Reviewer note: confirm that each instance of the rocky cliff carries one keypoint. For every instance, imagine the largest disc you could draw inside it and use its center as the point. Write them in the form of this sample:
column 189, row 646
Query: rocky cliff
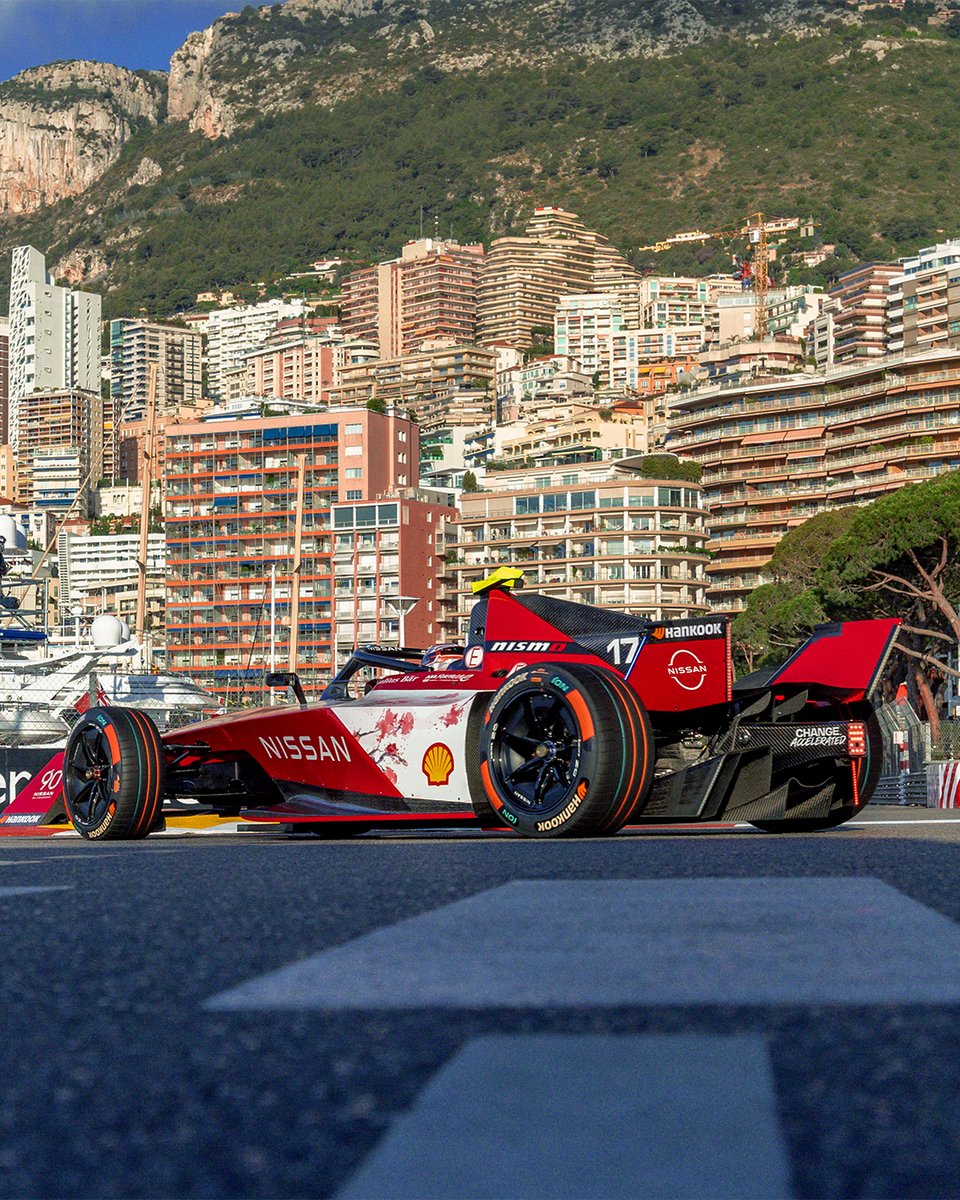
column 63, row 125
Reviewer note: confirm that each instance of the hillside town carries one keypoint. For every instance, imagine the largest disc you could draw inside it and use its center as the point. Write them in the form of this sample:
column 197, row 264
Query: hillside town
column 339, row 469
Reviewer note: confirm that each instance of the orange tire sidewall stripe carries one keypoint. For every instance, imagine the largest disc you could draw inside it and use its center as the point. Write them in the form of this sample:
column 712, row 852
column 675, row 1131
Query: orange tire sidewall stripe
column 488, row 787
column 111, row 735
column 579, row 706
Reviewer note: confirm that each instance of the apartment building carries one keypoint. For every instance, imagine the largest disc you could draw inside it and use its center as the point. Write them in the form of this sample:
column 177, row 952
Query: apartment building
column 388, row 559
column 601, row 534
column 4, row 377
column 59, row 454
column 592, row 330
column 233, row 333
column 301, row 367
column 54, row 343
column 177, row 353
column 232, row 519
column 923, row 311
column 860, row 318
column 99, row 574
column 523, row 277
column 791, row 312
column 429, row 292
column 582, row 328
column 777, row 452
column 568, row 431
column 414, row 380
column 747, row 360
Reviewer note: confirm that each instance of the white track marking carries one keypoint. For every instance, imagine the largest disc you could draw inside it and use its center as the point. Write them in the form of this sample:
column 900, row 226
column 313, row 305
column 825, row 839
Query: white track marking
column 544, row 943
column 553, row 1116
column 29, row 891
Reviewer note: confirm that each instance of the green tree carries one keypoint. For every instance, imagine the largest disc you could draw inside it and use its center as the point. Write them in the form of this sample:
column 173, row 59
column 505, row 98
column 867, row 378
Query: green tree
column 897, row 557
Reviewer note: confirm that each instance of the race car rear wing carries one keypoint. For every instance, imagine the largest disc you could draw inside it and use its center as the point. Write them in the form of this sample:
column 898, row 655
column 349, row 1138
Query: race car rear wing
column 844, row 656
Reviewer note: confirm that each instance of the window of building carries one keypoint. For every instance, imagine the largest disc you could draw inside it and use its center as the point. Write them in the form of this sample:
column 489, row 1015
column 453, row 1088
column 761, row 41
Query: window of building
column 526, row 505
column 355, row 495
column 354, row 472
column 583, row 499
column 353, row 451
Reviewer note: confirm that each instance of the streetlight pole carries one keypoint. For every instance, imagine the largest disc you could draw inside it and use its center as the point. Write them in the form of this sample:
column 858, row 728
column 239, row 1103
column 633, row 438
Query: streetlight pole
column 401, row 605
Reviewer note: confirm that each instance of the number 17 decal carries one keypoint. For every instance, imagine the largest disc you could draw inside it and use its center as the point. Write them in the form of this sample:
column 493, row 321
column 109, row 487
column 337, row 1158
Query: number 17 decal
column 623, row 650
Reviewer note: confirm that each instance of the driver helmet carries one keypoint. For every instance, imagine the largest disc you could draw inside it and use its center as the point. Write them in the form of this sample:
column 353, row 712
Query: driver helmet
column 443, row 656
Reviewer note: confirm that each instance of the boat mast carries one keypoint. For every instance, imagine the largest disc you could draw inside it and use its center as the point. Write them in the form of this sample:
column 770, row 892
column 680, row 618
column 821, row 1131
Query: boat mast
column 297, row 559
column 146, row 484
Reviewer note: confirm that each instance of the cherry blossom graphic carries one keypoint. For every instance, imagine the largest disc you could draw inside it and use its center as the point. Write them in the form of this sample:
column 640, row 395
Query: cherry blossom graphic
column 453, row 715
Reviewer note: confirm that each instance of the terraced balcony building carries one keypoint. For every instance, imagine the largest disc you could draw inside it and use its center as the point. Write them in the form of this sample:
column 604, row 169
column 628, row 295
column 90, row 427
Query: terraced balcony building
column 778, row 452
column 596, row 534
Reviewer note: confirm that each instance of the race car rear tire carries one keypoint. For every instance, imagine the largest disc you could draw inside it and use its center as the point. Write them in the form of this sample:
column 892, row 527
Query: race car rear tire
column 868, row 774
column 113, row 774
column 565, row 751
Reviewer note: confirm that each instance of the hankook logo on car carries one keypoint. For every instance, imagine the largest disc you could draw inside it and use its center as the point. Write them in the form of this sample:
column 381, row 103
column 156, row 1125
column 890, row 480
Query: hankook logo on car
column 687, row 670
column 307, row 747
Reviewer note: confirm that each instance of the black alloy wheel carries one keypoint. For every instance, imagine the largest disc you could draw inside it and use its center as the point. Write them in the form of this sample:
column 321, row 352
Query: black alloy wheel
column 537, row 756
column 564, row 751
column 113, row 774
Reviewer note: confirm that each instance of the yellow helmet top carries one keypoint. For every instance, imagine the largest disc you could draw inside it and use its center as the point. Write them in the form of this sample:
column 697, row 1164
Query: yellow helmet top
column 503, row 577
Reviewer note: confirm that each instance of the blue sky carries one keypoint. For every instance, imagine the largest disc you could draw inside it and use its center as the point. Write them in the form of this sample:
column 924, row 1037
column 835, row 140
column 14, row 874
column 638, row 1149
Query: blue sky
column 130, row 33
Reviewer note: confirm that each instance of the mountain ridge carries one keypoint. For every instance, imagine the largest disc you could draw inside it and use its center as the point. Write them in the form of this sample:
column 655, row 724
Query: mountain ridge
column 277, row 121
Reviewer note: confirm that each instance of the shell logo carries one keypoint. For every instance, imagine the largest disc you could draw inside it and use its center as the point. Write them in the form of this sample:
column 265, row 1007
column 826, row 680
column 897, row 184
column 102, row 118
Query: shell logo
column 437, row 764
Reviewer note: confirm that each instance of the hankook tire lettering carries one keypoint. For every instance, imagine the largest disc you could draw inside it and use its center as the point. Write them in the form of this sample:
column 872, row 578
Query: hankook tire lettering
column 554, row 822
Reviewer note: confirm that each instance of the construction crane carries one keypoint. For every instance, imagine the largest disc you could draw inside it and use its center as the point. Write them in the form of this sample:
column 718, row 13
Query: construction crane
column 758, row 230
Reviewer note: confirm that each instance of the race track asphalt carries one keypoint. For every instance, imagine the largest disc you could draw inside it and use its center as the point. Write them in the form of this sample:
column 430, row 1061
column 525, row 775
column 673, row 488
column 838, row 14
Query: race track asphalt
column 682, row 1014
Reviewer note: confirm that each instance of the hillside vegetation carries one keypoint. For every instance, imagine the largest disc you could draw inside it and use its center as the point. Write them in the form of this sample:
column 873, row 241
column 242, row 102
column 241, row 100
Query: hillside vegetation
column 856, row 125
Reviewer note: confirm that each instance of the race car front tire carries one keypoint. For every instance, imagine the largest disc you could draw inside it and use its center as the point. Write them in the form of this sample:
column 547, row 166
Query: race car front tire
column 113, row 774
column 565, row 751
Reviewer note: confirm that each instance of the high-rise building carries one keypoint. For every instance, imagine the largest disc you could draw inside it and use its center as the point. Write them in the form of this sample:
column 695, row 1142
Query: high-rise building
column 592, row 330
column 416, row 380
column 523, row 277
column 429, row 292
column 4, row 377
column 59, row 454
column 177, row 353
column 54, row 336
column 232, row 520
column 860, row 320
column 775, row 453
column 923, row 311
column 93, row 568
column 300, row 367
column 233, row 333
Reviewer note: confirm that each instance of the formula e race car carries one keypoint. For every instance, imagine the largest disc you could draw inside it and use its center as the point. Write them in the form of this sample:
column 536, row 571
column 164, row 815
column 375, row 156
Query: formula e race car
column 554, row 719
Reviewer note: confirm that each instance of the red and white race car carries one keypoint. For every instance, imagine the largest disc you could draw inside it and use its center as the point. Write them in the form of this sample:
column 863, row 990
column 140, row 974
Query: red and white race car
column 554, row 719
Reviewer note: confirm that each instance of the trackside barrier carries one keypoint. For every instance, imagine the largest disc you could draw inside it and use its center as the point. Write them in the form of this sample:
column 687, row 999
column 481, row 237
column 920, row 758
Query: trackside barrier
column 943, row 785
